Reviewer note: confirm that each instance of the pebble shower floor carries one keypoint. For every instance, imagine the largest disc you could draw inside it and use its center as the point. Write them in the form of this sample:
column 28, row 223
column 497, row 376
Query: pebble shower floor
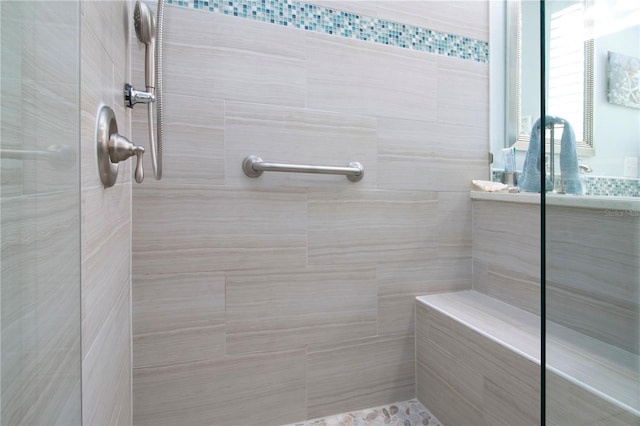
column 406, row 413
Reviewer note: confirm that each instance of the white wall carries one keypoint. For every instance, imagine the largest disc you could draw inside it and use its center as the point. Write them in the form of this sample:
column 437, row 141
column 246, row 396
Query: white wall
column 616, row 127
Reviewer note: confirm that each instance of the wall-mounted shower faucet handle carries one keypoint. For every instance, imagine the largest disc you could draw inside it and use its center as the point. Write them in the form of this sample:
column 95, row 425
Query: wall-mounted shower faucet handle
column 139, row 174
column 133, row 96
column 121, row 148
column 112, row 148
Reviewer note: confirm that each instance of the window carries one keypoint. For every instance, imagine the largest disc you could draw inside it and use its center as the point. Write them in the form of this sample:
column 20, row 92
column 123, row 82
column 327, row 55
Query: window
column 566, row 67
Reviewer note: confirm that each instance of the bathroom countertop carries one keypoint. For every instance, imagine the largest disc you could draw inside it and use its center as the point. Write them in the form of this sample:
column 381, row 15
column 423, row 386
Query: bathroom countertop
column 629, row 205
column 519, row 197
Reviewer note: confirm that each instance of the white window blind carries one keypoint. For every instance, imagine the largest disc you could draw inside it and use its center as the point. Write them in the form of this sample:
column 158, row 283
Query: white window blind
column 567, row 67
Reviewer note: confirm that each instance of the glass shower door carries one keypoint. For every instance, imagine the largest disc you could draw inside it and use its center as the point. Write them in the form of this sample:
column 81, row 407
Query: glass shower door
column 592, row 257
column 40, row 355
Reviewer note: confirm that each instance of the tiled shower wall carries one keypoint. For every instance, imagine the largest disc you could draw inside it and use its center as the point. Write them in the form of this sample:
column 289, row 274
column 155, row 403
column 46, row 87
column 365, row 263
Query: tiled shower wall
column 66, row 240
column 106, row 219
column 591, row 265
column 272, row 300
column 39, row 214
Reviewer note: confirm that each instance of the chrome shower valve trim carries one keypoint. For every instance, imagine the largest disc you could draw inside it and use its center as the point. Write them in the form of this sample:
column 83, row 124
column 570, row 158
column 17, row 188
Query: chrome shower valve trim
column 112, row 148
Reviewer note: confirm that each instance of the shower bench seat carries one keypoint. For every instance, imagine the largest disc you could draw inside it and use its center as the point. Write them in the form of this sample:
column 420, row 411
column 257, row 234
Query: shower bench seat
column 478, row 362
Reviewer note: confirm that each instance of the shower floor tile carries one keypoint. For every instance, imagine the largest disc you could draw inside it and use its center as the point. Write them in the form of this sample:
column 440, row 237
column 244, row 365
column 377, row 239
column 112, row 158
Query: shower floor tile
column 406, row 413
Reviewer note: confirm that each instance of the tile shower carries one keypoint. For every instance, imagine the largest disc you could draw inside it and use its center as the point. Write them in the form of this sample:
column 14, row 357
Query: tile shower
column 213, row 298
column 296, row 292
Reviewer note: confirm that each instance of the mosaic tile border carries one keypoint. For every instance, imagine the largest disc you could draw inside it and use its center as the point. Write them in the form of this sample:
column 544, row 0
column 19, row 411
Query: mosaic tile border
column 309, row 17
column 608, row 186
column 612, row 186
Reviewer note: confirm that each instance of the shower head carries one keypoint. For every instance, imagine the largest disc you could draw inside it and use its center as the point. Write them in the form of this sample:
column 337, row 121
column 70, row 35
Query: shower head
column 145, row 24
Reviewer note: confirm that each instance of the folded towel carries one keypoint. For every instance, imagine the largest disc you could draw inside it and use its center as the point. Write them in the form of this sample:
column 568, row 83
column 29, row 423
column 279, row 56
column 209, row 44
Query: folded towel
column 570, row 173
column 529, row 180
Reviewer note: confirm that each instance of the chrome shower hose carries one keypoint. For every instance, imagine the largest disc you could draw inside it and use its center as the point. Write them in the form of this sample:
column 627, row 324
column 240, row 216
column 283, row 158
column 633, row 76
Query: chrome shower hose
column 157, row 158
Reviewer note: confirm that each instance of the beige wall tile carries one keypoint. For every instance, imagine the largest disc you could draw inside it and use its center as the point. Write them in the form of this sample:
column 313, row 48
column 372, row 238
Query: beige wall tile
column 69, row 412
column 480, row 276
column 11, row 120
column 40, row 215
column 105, row 273
column 14, row 37
column 445, row 376
column 368, row 226
column 110, row 22
column 40, row 309
column 610, row 320
column 219, row 391
column 51, row 42
column 567, row 403
column 103, row 212
column 598, row 367
column 178, row 317
column 193, row 140
column 468, row 378
column 105, row 62
column 451, row 225
column 336, row 260
column 516, row 288
column 50, row 121
column 506, row 252
column 400, row 283
column 339, row 374
column 106, row 219
column 518, row 329
column 298, row 136
column 512, row 398
column 463, row 94
column 106, row 369
column 593, row 276
column 106, row 252
column 446, row 267
column 432, row 156
column 96, row 78
column 357, row 77
column 283, row 308
column 209, row 229
column 227, row 58
column 439, row 402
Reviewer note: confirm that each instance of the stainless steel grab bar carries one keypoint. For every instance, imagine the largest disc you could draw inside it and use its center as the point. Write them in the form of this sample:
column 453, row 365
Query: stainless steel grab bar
column 253, row 166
